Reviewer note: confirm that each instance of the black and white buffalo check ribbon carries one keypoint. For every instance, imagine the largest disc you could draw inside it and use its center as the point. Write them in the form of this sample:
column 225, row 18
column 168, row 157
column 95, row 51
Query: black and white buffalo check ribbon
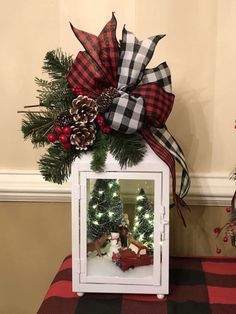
column 126, row 113
column 167, row 140
column 134, row 57
column 160, row 74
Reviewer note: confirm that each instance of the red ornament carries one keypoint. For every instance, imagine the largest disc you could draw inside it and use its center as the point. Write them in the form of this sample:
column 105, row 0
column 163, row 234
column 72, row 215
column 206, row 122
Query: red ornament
column 228, row 209
column 218, row 250
column 63, row 138
column 67, row 145
column 217, row 230
column 52, row 137
column 66, row 130
column 225, row 239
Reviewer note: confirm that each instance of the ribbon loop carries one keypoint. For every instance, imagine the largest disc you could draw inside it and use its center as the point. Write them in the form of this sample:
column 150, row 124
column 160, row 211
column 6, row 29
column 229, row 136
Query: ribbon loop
column 100, row 59
column 134, row 57
column 158, row 103
column 160, row 75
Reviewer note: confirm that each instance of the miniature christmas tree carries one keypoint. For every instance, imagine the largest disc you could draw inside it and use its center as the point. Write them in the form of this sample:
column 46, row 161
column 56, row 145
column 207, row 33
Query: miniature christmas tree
column 105, row 209
column 144, row 220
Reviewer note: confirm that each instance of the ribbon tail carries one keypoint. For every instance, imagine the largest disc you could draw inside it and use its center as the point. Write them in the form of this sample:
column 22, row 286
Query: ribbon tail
column 166, row 156
column 179, row 203
column 167, row 140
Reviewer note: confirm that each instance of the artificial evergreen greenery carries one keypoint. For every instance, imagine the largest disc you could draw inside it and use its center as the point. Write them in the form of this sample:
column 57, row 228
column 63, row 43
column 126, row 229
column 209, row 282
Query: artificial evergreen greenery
column 55, row 165
column 144, row 220
column 105, row 208
column 56, row 93
column 57, row 64
column 55, row 97
column 99, row 152
column 128, row 149
column 36, row 126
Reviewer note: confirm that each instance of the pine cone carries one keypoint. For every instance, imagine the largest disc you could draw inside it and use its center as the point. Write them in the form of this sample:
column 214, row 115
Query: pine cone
column 83, row 136
column 84, row 110
column 105, row 99
column 64, row 119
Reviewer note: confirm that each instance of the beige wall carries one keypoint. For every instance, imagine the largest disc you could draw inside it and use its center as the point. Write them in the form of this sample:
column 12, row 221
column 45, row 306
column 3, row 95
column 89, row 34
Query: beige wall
column 198, row 47
column 34, row 240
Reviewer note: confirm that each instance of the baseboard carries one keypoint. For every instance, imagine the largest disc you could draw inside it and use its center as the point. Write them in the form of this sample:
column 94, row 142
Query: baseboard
column 29, row 186
column 210, row 189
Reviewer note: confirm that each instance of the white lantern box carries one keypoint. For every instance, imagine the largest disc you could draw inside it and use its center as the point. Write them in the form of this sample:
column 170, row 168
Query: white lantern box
column 120, row 227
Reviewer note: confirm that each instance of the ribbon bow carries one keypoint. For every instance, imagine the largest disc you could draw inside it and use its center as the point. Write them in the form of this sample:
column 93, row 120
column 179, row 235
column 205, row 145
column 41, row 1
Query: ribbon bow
column 143, row 101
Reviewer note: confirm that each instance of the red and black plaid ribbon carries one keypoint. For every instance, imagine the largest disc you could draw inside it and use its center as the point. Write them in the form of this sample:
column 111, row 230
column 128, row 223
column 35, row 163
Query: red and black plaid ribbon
column 96, row 68
column 158, row 103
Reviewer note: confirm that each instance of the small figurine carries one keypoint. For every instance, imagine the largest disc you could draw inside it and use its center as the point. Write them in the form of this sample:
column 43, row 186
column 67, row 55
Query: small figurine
column 123, row 233
column 125, row 220
column 114, row 243
column 97, row 244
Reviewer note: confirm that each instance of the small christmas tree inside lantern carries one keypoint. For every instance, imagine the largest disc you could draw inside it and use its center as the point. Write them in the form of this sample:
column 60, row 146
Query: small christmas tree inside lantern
column 105, row 209
column 144, row 220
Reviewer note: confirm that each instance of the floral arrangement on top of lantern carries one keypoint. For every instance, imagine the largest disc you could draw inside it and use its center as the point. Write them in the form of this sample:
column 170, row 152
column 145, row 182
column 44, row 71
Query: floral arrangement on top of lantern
column 106, row 100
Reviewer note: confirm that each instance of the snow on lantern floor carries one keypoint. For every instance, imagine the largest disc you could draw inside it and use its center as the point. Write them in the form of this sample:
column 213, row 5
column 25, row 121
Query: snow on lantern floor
column 103, row 266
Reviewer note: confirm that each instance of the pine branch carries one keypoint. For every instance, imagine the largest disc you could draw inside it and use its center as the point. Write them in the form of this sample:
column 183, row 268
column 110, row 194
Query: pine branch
column 54, row 95
column 99, row 152
column 36, row 126
column 57, row 64
column 128, row 149
column 55, row 165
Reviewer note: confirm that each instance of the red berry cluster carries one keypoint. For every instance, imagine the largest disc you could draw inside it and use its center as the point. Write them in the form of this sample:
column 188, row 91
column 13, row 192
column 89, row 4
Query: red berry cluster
column 217, row 231
column 62, row 135
column 77, row 90
column 100, row 120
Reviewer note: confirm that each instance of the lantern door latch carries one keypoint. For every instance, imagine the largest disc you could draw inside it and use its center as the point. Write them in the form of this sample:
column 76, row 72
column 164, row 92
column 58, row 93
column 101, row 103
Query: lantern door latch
column 163, row 221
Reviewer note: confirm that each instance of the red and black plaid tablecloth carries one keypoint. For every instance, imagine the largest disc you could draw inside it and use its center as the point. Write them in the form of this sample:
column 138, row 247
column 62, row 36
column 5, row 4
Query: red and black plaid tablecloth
column 197, row 286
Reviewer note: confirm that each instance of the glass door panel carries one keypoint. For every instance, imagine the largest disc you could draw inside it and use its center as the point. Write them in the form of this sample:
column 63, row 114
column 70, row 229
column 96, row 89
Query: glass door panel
column 119, row 220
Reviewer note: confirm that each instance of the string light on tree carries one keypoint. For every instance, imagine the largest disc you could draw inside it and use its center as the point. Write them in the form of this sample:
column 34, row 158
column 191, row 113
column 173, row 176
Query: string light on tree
column 144, row 220
column 104, row 209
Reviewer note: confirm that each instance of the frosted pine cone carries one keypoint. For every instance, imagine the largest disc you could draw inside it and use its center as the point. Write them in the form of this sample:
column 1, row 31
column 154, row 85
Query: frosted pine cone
column 105, row 99
column 84, row 110
column 83, row 136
